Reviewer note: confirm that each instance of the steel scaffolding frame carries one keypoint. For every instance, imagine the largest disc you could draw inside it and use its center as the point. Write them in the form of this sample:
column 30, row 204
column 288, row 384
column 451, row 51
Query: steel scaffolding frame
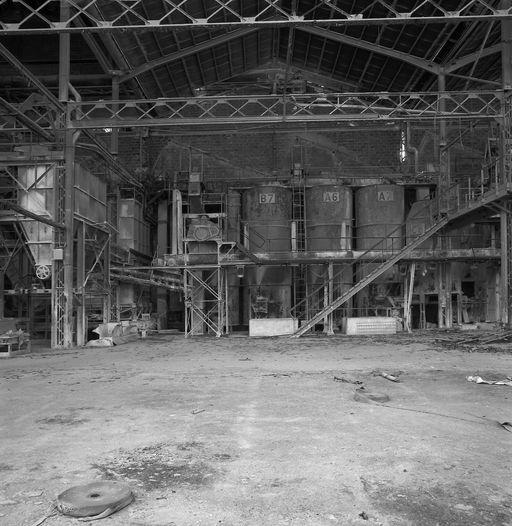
column 122, row 15
column 205, row 300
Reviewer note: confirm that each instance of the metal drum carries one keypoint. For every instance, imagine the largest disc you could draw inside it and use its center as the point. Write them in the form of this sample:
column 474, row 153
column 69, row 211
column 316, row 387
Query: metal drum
column 267, row 229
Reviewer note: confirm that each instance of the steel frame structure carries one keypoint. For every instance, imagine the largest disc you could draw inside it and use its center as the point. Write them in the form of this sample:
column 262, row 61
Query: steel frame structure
column 58, row 119
column 123, row 15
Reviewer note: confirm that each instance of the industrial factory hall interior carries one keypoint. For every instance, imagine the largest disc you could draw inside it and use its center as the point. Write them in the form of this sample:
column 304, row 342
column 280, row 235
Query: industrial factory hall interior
column 256, row 262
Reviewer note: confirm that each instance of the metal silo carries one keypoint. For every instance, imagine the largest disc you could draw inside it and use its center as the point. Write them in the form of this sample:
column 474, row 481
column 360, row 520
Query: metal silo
column 267, row 213
column 328, row 211
column 379, row 214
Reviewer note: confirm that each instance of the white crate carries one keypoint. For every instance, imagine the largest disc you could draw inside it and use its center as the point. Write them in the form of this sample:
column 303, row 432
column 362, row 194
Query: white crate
column 370, row 325
column 272, row 326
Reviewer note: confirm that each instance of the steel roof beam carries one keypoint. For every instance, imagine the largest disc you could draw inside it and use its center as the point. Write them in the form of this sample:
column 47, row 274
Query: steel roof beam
column 427, row 65
column 472, row 57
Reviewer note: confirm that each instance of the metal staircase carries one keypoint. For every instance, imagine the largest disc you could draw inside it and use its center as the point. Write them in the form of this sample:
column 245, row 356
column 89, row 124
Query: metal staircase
column 383, row 267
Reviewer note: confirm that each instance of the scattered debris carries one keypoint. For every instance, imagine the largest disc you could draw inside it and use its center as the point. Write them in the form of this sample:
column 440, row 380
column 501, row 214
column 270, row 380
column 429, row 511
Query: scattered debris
column 364, row 516
column 390, row 377
column 33, row 494
column 362, row 395
column 100, row 342
column 507, row 426
column 116, row 333
column 480, row 339
column 480, row 380
column 96, row 500
column 347, row 380
column 50, row 513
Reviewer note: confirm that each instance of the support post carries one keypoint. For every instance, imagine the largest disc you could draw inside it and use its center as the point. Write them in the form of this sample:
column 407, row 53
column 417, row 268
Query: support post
column 114, row 142
column 506, row 264
column 444, row 157
column 69, row 206
column 81, row 325
column 64, row 182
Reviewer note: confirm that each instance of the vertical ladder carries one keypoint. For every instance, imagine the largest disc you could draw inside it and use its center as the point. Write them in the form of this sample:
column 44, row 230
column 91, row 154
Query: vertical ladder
column 299, row 272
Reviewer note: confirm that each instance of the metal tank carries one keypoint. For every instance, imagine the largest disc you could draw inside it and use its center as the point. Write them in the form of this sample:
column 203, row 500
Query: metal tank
column 379, row 215
column 328, row 213
column 267, row 212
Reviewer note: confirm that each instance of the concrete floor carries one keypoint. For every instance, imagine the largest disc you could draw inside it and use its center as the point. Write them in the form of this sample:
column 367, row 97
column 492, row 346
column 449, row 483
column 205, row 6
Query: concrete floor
column 238, row 431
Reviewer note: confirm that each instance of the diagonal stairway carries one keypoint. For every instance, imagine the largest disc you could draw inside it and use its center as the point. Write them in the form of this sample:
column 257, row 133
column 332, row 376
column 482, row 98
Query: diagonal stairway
column 383, row 267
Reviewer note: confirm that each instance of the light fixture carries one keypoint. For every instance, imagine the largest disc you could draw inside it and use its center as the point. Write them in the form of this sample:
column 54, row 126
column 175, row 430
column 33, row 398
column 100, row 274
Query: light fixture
column 240, row 271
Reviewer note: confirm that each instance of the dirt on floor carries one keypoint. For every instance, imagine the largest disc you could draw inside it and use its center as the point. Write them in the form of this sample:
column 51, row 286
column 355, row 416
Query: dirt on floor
column 242, row 431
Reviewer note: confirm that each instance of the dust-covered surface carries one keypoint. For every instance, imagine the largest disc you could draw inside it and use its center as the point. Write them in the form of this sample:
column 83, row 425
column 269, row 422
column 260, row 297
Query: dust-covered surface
column 237, row 431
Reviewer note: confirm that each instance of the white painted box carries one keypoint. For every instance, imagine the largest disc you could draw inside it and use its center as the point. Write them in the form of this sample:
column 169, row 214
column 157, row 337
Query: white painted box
column 370, row 325
column 272, row 326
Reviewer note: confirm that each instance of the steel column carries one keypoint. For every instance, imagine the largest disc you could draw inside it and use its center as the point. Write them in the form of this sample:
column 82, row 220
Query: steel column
column 81, row 326
column 506, row 263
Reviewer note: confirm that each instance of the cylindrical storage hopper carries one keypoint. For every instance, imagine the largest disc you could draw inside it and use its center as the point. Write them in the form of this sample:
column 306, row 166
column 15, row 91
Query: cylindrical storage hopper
column 328, row 212
column 328, row 218
column 379, row 216
column 267, row 229
column 267, row 218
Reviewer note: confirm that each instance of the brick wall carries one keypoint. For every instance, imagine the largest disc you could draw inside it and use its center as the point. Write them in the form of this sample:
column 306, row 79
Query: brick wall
column 352, row 154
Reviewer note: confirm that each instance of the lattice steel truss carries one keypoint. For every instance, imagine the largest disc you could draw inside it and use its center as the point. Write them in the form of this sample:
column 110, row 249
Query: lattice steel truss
column 289, row 108
column 100, row 16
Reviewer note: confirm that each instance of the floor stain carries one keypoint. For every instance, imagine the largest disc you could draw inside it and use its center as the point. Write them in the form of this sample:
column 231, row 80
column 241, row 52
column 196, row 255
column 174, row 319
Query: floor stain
column 156, row 467
column 440, row 505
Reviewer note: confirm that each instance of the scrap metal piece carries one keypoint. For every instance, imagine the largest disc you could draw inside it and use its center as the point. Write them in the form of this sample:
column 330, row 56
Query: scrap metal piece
column 95, row 500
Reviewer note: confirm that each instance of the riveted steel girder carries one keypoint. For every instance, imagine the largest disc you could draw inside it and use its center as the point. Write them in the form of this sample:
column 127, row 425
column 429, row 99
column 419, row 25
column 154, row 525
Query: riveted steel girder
column 291, row 108
column 120, row 15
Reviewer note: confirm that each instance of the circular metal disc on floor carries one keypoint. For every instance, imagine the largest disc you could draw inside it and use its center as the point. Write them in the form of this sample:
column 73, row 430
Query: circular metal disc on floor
column 94, row 498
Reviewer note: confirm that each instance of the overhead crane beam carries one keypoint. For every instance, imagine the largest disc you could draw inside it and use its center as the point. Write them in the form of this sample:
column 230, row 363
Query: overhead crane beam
column 124, row 15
